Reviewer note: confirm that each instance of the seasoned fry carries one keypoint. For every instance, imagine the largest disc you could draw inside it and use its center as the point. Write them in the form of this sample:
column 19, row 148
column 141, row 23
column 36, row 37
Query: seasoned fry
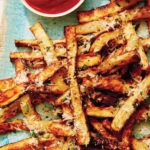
column 12, row 126
column 27, row 108
column 27, row 43
column 11, row 95
column 105, row 38
column 109, row 83
column 7, row 84
column 138, row 95
column 46, row 73
column 30, row 143
column 140, row 144
column 64, row 98
column 109, row 9
column 43, row 40
column 53, row 89
column 20, row 66
column 101, row 130
column 88, row 60
column 35, row 55
column 108, row 64
column 109, row 23
column 101, row 112
column 83, row 137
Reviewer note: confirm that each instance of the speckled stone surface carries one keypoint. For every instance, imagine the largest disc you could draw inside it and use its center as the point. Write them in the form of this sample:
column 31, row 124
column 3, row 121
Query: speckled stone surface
column 15, row 25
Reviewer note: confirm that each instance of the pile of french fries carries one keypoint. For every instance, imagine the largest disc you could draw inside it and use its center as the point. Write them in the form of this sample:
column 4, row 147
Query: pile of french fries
column 97, row 76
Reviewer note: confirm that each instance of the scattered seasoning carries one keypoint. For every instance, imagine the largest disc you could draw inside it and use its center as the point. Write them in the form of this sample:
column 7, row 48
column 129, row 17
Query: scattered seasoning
column 39, row 42
column 47, row 48
column 27, row 108
column 84, row 67
column 135, row 103
column 131, row 87
column 66, row 98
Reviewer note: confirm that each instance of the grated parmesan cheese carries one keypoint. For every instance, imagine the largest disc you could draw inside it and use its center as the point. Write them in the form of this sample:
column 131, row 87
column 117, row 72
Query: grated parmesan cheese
column 21, row 77
column 49, row 58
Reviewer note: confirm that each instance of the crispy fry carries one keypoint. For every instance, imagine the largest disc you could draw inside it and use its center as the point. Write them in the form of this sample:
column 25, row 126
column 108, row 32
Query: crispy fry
column 46, row 73
column 101, row 12
column 53, row 89
column 11, row 95
column 83, row 137
column 101, row 130
column 109, row 83
column 101, row 112
column 35, row 55
column 20, row 66
column 140, row 144
column 105, row 38
column 110, row 63
column 43, row 40
column 109, row 23
column 138, row 95
column 13, row 109
column 135, row 43
column 88, row 60
column 64, row 98
column 27, row 108
column 30, row 143
column 12, row 126
column 7, row 84
column 26, row 43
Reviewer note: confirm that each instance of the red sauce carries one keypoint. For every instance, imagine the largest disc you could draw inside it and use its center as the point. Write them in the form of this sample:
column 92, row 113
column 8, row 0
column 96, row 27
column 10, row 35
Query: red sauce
column 52, row 6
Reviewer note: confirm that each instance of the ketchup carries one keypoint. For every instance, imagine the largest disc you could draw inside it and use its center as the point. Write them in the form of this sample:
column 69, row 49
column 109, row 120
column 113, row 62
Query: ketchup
column 52, row 6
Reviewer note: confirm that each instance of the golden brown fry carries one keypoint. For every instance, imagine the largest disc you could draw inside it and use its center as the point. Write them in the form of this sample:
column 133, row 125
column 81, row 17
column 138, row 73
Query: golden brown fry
column 101, row 112
column 30, row 143
column 114, row 7
column 109, row 83
column 28, row 109
column 103, row 40
column 140, row 144
column 109, row 23
column 80, row 125
column 88, row 60
column 20, row 66
column 11, row 95
column 64, row 98
column 43, row 40
column 137, row 96
column 110, row 63
column 101, row 130
column 15, row 125
column 13, row 109
column 7, row 84
column 133, row 42
column 46, row 73
column 27, row 43
column 53, row 89
column 35, row 55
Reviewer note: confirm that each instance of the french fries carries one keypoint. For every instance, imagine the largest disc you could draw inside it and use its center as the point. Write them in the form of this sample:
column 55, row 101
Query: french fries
column 94, row 82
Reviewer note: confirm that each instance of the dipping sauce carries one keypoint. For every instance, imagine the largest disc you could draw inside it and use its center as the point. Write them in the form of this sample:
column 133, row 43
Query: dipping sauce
column 52, row 6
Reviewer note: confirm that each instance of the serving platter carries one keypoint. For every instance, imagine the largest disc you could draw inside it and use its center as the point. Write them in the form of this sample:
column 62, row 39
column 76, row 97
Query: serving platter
column 15, row 23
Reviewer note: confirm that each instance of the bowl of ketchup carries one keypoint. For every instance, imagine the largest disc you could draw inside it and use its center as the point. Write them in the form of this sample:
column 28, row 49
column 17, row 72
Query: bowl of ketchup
column 52, row 8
